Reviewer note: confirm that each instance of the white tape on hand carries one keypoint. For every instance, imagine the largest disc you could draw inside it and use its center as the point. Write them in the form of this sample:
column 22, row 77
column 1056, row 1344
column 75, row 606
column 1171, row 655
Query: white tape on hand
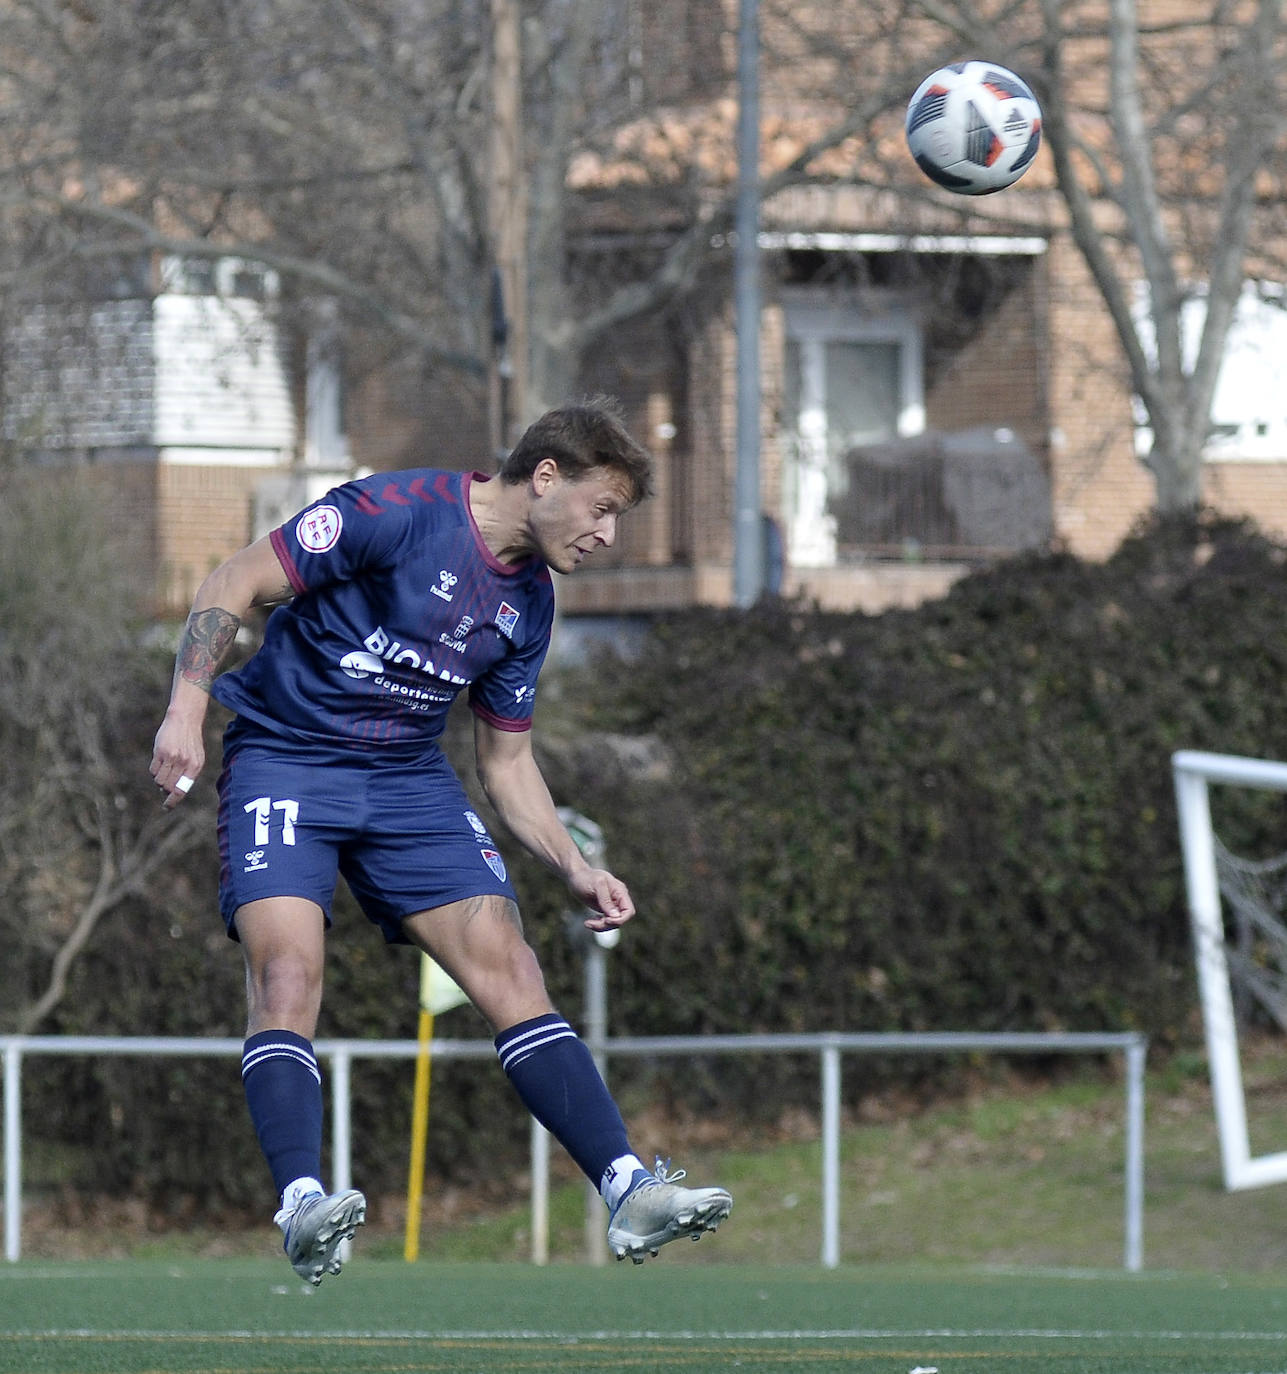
column 184, row 784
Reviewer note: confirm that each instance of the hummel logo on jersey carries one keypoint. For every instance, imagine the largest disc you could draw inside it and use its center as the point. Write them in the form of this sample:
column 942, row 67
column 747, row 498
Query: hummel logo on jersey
column 523, row 694
column 446, row 581
column 507, row 619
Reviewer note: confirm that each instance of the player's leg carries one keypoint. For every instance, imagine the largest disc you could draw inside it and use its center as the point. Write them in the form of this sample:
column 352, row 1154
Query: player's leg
column 280, row 824
column 479, row 941
column 283, row 942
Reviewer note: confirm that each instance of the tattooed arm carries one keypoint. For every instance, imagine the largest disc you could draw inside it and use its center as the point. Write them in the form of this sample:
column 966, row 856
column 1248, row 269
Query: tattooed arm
column 253, row 577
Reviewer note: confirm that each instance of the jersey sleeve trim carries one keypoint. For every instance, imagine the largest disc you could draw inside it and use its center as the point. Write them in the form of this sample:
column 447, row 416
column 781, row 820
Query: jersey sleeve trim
column 278, row 542
column 515, row 727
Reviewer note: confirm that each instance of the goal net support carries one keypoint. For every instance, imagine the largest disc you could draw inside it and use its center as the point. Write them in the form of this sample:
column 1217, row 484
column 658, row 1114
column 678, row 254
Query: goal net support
column 1241, row 957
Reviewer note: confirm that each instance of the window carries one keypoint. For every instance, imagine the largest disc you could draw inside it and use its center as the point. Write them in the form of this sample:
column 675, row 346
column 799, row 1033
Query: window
column 852, row 377
column 1249, row 409
column 230, row 277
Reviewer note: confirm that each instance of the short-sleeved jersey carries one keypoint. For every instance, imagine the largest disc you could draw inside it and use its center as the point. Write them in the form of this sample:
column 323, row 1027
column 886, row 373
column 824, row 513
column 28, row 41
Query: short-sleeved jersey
column 399, row 606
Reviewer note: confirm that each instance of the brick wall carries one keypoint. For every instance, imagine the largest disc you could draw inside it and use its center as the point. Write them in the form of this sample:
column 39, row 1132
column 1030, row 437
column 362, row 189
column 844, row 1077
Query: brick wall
column 999, row 378
column 204, row 514
column 1255, row 489
column 1100, row 488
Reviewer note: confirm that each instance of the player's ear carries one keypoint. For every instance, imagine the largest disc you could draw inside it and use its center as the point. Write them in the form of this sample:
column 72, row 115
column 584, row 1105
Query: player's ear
column 544, row 476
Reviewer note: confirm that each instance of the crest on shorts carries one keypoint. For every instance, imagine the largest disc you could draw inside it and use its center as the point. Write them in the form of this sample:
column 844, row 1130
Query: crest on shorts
column 494, row 862
column 318, row 530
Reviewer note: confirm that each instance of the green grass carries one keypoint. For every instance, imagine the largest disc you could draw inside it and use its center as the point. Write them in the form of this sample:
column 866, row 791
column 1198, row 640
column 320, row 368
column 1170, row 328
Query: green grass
column 1011, row 1175
column 383, row 1317
column 979, row 1237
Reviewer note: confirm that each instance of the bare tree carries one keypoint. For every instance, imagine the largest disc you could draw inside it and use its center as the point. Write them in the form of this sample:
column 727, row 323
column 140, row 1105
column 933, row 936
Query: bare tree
column 1166, row 124
column 77, row 843
column 1162, row 188
column 346, row 143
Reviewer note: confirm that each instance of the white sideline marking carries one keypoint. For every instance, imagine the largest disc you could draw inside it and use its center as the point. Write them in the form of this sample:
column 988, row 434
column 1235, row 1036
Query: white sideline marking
column 786, row 1334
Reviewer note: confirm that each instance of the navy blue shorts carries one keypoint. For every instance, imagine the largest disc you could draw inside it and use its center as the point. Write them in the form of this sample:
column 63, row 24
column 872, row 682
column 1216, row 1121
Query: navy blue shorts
column 404, row 837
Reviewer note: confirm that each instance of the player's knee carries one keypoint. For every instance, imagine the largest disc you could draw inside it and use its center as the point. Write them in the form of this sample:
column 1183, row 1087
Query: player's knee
column 283, row 990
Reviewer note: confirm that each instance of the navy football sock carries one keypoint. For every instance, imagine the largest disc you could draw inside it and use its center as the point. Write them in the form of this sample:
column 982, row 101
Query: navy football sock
column 284, row 1093
column 556, row 1076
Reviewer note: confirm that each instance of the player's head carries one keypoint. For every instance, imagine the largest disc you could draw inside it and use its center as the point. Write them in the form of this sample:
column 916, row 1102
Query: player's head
column 582, row 439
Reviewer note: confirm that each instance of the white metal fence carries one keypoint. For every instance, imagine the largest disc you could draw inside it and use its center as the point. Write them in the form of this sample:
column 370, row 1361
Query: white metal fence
column 830, row 1048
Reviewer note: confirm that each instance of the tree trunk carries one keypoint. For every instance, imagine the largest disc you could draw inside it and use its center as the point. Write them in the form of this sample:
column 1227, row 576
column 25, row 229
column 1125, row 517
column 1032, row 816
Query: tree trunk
column 1175, row 461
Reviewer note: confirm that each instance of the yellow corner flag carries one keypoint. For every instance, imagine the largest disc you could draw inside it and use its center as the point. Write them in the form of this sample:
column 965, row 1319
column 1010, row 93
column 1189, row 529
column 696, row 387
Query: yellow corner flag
column 439, row 992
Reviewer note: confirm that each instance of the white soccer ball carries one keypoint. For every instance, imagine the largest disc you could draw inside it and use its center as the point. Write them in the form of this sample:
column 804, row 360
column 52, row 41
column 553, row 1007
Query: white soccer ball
column 973, row 127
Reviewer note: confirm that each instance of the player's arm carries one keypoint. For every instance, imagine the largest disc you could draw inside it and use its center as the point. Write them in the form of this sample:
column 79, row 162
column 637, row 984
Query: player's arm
column 251, row 577
column 514, row 785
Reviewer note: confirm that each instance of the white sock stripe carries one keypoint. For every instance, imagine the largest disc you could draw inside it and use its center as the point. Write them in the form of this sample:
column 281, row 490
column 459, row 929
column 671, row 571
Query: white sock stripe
column 558, row 1025
column 515, row 1053
column 518, row 1053
column 279, row 1050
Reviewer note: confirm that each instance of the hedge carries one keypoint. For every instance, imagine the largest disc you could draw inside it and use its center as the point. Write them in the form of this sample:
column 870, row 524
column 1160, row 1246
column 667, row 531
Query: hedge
column 958, row 817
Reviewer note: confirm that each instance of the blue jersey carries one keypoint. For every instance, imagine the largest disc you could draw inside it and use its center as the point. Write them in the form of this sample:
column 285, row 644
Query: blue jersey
column 399, row 606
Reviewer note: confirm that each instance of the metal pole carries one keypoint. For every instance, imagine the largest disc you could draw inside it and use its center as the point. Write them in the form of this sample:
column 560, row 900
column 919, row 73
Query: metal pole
column 341, row 1130
column 830, row 1157
column 1134, row 1250
column 596, row 1030
column 507, row 220
column 540, row 1169
column 1219, row 1022
column 12, row 1153
column 341, row 1119
column 748, row 532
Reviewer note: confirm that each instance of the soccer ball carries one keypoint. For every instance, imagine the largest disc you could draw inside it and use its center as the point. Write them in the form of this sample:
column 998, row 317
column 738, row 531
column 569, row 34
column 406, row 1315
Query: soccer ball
column 973, row 127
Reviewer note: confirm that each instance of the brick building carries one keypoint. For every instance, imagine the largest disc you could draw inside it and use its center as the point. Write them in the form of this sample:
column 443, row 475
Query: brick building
column 937, row 391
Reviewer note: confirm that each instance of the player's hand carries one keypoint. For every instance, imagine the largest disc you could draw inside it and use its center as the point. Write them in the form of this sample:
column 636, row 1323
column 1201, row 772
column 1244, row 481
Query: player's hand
column 178, row 756
column 607, row 898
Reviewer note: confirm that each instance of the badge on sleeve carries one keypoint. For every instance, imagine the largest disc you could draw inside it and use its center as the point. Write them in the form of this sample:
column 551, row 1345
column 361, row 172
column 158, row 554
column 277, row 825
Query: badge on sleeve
column 318, row 530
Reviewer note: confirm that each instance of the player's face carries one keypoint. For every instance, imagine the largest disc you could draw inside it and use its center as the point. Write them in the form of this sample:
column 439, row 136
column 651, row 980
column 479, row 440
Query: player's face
column 575, row 517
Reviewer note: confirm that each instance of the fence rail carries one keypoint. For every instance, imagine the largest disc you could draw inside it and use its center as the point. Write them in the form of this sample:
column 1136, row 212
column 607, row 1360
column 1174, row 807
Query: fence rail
column 830, row 1048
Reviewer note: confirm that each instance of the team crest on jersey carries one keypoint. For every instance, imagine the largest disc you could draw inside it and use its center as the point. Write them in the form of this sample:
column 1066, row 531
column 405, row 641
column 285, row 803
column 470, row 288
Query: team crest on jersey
column 494, row 862
column 507, row 619
column 318, row 530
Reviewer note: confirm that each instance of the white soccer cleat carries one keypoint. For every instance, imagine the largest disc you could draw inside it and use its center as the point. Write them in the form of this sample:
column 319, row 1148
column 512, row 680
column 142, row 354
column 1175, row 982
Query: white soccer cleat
column 657, row 1210
column 317, row 1228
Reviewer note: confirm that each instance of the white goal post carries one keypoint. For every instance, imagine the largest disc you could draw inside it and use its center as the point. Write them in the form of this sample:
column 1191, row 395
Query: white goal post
column 1193, row 771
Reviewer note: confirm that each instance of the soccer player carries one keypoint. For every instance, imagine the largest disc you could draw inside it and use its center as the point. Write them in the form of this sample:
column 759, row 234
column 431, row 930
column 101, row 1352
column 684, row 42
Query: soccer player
column 401, row 591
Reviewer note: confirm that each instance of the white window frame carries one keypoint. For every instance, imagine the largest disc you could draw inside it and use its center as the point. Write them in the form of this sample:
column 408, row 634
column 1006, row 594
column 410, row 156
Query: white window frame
column 1252, row 384
column 177, row 278
column 812, row 320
